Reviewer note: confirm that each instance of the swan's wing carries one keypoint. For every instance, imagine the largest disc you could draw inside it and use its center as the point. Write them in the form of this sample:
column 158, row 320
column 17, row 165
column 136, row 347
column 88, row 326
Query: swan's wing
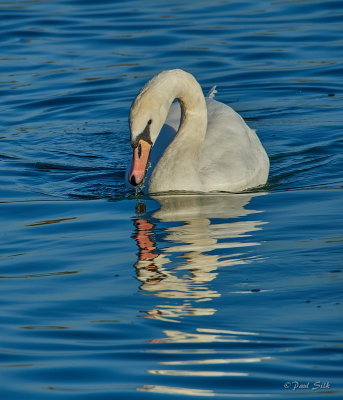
column 232, row 152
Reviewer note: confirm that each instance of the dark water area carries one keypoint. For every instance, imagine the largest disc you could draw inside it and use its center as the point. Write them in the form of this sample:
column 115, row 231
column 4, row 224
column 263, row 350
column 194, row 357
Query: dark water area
column 107, row 294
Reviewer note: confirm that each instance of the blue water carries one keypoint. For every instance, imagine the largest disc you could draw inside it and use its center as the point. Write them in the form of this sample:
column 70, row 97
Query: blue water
column 108, row 295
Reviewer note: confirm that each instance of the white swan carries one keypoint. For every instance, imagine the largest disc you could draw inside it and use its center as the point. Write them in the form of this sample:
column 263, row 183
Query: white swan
column 207, row 145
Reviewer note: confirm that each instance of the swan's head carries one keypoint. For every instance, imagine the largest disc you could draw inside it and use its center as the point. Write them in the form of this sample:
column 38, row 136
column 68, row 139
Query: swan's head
column 147, row 116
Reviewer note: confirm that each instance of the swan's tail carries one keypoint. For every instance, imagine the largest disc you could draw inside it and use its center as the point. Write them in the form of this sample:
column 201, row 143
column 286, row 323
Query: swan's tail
column 213, row 91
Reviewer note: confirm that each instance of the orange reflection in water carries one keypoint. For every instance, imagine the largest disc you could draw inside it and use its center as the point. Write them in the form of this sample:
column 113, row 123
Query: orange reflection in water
column 143, row 237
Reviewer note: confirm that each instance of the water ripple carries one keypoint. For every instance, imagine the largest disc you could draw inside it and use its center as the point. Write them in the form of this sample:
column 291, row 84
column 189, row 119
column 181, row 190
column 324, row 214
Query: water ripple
column 233, row 296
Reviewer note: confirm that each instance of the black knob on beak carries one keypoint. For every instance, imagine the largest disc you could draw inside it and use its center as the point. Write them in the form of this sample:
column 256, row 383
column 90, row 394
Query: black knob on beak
column 133, row 181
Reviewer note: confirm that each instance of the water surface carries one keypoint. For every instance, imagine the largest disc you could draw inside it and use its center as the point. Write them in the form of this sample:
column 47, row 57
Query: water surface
column 105, row 294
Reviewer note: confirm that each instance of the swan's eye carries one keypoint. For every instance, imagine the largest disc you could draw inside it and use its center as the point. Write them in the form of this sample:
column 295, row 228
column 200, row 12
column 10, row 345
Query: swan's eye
column 139, row 150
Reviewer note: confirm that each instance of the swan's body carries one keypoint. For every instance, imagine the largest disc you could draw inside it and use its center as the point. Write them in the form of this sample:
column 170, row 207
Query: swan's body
column 208, row 146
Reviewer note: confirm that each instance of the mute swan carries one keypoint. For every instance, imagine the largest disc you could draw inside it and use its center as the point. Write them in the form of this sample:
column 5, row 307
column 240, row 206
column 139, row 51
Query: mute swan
column 211, row 148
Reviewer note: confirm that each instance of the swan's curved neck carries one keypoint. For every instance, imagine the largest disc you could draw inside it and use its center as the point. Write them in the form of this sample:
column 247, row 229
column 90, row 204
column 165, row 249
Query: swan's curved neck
column 182, row 155
column 180, row 85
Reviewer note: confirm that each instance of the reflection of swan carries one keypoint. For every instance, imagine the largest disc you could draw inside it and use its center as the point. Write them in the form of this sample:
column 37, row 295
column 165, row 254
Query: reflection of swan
column 201, row 233
column 183, row 246
column 209, row 224
column 194, row 207
column 214, row 149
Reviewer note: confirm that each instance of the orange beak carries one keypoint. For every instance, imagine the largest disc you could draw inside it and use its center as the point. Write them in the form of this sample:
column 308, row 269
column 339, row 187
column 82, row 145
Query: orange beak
column 139, row 163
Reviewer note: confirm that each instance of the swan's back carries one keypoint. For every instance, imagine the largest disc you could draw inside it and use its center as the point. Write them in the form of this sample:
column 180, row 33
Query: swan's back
column 232, row 157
